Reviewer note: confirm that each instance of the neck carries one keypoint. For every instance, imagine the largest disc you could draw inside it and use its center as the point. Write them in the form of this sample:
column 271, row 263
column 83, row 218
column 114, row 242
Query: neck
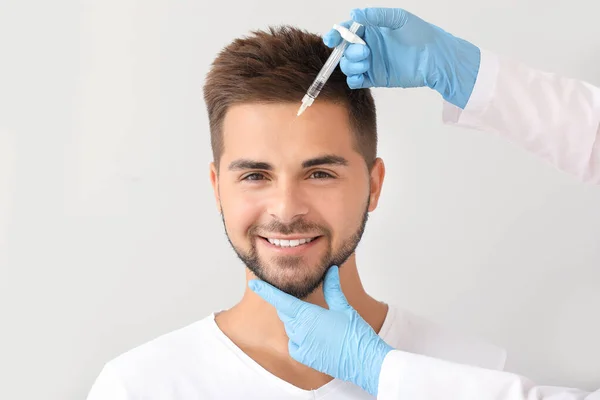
column 253, row 323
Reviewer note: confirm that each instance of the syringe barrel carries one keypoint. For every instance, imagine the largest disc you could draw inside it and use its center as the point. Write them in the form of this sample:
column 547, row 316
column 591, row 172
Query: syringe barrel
column 330, row 65
column 314, row 89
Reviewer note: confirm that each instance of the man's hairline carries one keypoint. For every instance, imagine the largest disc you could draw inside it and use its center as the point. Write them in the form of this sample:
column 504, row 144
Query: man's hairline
column 340, row 102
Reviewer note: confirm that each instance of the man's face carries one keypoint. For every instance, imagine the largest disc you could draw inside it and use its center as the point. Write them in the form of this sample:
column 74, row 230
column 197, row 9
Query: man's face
column 293, row 192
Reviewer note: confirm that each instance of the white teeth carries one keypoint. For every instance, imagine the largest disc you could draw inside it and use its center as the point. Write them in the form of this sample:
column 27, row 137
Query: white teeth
column 289, row 243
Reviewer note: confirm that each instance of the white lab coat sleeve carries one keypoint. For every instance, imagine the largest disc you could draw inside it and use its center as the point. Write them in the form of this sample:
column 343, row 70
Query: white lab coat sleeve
column 555, row 117
column 417, row 377
column 108, row 386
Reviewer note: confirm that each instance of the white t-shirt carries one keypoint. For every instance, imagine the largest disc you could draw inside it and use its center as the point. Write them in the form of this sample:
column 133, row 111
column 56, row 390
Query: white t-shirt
column 200, row 362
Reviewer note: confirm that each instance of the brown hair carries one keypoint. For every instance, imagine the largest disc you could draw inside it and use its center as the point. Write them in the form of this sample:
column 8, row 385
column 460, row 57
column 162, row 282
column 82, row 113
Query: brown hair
column 279, row 65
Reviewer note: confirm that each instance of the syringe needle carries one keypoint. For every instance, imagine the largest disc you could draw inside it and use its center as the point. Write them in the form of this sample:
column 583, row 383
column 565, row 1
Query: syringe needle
column 306, row 102
column 303, row 107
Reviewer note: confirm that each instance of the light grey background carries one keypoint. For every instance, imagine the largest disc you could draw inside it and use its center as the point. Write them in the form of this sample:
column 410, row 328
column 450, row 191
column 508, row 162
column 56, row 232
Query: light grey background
column 109, row 234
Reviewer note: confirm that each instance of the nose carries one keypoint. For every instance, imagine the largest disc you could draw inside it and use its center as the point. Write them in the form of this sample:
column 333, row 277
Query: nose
column 287, row 202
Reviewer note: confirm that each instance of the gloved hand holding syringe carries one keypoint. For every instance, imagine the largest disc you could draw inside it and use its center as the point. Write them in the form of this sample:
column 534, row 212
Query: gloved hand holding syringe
column 348, row 36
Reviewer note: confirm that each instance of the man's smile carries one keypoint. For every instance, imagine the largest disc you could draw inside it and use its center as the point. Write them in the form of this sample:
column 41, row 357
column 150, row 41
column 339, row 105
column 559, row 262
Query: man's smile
column 290, row 245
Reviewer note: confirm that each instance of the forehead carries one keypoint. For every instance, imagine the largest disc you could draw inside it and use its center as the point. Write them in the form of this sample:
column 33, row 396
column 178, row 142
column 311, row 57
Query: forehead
column 271, row 131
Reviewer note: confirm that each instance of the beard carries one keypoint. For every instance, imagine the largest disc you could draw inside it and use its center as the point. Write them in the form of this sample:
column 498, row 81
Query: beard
column 308, row 277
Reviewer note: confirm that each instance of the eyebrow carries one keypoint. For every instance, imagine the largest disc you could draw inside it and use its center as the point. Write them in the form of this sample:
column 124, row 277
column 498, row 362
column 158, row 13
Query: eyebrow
column 330, row 159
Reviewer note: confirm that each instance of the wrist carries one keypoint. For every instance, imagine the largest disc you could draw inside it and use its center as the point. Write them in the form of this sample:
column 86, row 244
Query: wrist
column 377, row 352
column 457, row 71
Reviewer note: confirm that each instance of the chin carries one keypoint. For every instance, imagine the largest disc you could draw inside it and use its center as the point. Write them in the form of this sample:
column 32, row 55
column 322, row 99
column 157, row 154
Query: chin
column 299, row 281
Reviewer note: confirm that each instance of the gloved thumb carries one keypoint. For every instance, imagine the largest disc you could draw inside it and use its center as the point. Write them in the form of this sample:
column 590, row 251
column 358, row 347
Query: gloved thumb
column 332, row 290
column 392, row 18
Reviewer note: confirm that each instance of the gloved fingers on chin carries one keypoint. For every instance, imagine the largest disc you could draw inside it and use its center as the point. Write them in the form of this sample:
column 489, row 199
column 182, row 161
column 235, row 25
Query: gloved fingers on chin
column 294, row 350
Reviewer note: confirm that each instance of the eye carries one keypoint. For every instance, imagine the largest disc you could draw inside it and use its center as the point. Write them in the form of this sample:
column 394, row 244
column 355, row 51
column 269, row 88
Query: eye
column 320, row 175
column 255, row 176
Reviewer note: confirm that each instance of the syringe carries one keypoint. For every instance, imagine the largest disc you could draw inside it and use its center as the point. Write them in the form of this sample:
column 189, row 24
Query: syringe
column 348, row 36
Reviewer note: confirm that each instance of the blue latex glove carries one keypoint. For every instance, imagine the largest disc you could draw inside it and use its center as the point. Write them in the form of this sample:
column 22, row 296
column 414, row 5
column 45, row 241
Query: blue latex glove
column 405, row 51
column 335, row 341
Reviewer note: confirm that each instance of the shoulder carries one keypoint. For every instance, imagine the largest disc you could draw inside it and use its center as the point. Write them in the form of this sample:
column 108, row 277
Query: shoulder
column 166, row 347
column 156, row 361
column 412, row 333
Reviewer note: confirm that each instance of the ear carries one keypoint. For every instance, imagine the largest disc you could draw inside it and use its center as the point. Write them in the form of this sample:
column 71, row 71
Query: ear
column 214, row 180
column 376, row 178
